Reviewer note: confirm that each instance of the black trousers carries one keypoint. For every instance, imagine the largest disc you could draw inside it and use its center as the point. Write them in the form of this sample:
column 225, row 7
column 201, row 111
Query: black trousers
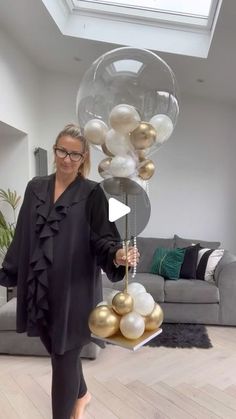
column 68, row 382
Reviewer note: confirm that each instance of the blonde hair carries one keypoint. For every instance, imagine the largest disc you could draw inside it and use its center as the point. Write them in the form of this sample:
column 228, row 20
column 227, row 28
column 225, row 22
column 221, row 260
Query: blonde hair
column 75, row 131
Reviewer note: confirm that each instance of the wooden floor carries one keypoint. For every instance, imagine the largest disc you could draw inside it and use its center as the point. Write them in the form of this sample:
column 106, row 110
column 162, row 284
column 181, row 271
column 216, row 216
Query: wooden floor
column 151, row 383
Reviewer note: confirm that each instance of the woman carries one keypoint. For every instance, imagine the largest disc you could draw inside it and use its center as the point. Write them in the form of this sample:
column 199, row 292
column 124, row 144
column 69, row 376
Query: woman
column 62, row 239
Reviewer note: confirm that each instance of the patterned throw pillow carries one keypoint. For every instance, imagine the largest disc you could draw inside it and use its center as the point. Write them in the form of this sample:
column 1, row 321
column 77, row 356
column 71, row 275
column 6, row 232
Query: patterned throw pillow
column 208, row 259
column 167, row 262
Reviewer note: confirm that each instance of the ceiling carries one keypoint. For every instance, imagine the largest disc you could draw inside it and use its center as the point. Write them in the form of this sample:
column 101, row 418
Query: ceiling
column 9, row 131
column 31, row 27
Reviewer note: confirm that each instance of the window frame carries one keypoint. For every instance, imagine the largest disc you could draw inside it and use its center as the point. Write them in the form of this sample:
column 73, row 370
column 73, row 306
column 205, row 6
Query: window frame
column 136, row 14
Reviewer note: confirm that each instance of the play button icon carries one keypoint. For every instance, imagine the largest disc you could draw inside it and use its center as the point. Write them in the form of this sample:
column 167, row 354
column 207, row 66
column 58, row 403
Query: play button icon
column 122, row 203
column 117, row 209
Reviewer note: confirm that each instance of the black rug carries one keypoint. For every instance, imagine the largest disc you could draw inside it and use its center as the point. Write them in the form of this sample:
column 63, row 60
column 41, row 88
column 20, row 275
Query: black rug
column 182, row 335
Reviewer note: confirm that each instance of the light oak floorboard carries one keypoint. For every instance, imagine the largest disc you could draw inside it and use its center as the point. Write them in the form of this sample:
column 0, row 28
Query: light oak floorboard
column 152, row 383
column 182, row 401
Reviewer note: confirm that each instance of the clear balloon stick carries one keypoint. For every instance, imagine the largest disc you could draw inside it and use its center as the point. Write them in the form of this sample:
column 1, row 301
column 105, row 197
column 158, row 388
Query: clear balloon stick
column 126, row 248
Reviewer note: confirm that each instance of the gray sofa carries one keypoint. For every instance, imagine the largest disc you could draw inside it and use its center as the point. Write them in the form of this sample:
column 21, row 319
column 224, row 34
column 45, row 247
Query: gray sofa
column 13, row 343
column 188, row 300
column 184, row 300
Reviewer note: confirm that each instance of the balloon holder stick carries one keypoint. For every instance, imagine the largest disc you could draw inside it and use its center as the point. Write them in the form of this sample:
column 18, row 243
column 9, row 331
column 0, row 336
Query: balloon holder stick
column 126, row 248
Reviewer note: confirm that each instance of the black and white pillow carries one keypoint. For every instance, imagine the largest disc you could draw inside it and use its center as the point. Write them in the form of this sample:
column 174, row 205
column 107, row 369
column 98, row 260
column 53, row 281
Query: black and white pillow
column 207, row 262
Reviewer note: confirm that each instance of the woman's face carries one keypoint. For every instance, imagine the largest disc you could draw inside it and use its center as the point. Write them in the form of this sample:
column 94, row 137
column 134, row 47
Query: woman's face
column 68, row 164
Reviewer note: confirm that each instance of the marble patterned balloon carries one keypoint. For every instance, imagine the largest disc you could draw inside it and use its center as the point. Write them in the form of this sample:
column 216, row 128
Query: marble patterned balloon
column 95, row 131
column 163, row 126
column 124, row 118
column 122, row 166
column 117, row 143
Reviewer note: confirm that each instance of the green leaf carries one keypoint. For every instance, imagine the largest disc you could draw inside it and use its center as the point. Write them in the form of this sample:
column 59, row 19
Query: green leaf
column 10, row 197
column 7, row 230
column 5, row 238
column 3, row 222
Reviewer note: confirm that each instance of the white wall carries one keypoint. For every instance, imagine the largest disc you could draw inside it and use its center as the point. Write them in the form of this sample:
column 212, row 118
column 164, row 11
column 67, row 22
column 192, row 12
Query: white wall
column 13, row 171
column 19, row 117
column 13, row 159
column 192, row 192
column 19, row 99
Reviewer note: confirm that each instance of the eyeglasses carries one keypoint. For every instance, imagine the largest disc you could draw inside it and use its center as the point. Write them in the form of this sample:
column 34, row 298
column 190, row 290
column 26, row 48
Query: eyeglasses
column 62, row 154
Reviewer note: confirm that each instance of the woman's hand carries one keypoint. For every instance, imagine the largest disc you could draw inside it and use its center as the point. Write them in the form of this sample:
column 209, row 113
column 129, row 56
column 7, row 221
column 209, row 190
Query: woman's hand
column 133, row 257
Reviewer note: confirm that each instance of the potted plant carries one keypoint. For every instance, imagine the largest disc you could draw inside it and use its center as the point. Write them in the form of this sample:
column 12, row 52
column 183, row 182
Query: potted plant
column 7, row 229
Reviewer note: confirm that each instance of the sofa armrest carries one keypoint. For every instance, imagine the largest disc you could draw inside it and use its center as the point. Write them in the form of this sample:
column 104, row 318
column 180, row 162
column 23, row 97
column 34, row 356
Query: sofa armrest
column 225, row 278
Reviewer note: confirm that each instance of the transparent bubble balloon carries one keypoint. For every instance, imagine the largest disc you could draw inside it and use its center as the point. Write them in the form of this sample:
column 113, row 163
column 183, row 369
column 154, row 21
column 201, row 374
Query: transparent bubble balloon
column 134, row 92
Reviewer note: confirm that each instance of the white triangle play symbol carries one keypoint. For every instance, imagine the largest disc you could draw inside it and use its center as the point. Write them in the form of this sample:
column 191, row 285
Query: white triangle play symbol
column 116, row 209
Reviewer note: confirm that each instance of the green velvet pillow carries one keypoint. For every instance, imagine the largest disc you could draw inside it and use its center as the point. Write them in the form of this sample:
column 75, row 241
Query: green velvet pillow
column 167, row 262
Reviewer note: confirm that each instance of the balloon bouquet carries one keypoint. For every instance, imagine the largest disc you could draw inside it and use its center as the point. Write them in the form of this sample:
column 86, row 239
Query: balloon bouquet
column 127, row 105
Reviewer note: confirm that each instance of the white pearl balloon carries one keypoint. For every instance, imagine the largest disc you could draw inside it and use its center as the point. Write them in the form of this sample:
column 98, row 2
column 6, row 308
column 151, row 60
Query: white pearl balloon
column 132, row 325
column 135, row 288
column 95, row 131
column 143, row 303
column 163, row 126
column 117, row 143
column 122, row 166
column 124, row 118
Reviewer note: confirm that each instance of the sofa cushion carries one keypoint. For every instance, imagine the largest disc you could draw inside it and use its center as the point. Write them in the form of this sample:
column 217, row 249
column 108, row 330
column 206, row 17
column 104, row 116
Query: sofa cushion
column 189, row 266
column 190, row 291
column 147, row 247
column 182, row 242
column 20, row 344
column 13, row 343
column 167, row 262
column 154, row 284
column 208, row 259
column 8, row 315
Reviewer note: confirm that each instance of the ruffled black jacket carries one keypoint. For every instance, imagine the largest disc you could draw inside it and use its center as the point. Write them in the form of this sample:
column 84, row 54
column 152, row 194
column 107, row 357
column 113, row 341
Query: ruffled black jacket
column 55, row 259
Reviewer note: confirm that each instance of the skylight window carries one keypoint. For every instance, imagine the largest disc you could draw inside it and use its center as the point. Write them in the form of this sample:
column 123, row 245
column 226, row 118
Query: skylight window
column 133, row 66
column 188, row 12
column 199, row 7
column 183, row 27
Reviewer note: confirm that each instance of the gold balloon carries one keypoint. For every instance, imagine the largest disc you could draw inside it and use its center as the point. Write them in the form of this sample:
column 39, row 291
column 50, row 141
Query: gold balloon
column 155, row 319
column 103, row 321
column 104, row 166
column 122, row 303
column 143, row 136
column 146, row 170
column 106, row 151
